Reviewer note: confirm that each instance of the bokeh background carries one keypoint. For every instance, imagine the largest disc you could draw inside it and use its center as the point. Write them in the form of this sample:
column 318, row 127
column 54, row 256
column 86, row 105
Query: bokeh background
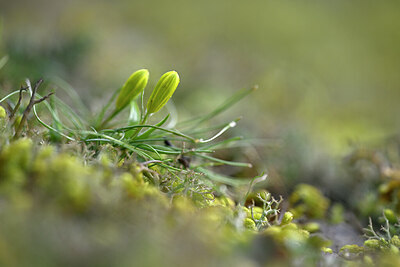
column 327, row 71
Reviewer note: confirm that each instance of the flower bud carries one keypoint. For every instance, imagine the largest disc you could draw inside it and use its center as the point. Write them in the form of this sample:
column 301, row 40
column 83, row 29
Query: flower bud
column 163, row 91
column 132, row 88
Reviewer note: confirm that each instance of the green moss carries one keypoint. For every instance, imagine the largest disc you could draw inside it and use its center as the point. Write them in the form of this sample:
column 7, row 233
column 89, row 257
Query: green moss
column 249, row 224
column 326, row 250
column 312, row 227
column 15, row 162
column 337, row 213
column 307, row 200
column 287, row 218
column 2, row 113
column 351, row 251
column 372, row 244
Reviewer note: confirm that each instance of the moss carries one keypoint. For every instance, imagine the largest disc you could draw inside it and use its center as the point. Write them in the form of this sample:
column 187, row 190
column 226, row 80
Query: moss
column 396, row 241
column 307, row 200
column 2, row 113
column 326, row 250
column 351, row 251
column 337, row 213
column 372, row 244
column 312, row 227
column 15, row 162
column 249, row 224
column 287, row 218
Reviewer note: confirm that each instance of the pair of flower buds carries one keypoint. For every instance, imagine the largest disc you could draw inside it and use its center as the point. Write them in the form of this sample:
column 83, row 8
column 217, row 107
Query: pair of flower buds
column 136, row 83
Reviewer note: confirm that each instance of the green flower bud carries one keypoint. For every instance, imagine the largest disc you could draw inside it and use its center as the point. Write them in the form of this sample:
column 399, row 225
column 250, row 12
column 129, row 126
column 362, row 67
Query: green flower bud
column 132, row 88
column 163, row 91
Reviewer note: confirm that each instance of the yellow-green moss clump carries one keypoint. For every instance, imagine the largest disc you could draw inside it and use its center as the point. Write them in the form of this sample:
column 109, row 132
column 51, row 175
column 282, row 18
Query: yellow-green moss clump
column 308, row 201
column 60, row 197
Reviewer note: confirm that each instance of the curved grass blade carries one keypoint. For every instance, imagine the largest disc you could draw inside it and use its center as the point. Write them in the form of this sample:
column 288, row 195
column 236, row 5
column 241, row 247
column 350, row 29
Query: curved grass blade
column 3, row 61
column 100, row 118
column 223, row 130
column 177, row 133
column 223, row 179
column 151, row 130
column 224, row 144
column 224, row 106
column 72, row 94
column 9, row 95
column 45, row 124
column 118, row 142
column 226, row 162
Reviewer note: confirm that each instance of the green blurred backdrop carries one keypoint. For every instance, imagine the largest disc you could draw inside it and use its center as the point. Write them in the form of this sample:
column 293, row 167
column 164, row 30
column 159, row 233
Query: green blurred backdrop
column 327, row 69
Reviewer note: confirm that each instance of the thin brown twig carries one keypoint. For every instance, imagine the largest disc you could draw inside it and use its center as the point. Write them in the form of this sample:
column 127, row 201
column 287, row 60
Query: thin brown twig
column 28, row 109
column 18, row 103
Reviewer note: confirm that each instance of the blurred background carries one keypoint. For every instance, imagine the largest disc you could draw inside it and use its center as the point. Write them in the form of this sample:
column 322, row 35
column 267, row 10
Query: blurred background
column 327, row 71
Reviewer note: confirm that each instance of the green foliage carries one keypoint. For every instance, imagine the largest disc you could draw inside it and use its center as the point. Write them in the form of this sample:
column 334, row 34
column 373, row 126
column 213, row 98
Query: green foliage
column 64, row 192
column 79, row 168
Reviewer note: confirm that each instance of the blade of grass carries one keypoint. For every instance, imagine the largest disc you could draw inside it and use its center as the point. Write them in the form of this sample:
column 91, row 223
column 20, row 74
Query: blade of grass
column 3, row 61
column 224, row 106
column 226, row 162
column 223, row 130
column 42, row 122
column 99, row 121
column 224, row 143
column 151, row 130
column 177, row 133
column 72, row 94
column 223, row 179
column 9, row 95
column 117, row 142
column 253, row 181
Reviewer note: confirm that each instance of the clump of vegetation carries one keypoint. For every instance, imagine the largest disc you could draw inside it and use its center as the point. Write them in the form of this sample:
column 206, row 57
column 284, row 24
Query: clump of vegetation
column 125, row 185
column 108, row 169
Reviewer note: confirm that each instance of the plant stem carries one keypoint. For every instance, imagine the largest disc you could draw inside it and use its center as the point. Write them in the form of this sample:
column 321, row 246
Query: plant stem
column 110, row 117
column 143, row 121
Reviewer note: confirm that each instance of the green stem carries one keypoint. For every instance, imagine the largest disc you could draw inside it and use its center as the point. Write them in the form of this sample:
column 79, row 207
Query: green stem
column 143, row 121
column 110, row 117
